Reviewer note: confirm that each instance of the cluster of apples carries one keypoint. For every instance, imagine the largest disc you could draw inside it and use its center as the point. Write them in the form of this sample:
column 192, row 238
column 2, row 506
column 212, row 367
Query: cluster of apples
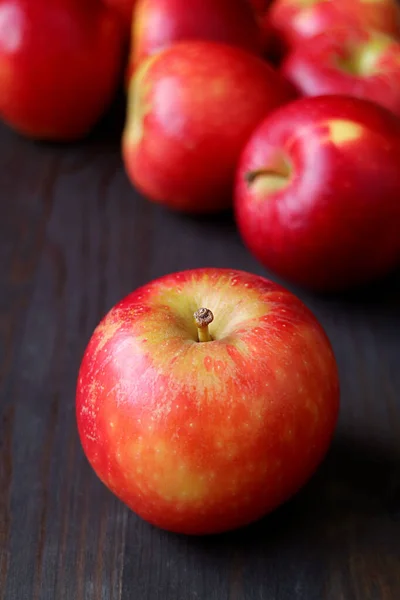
column 207, row 398
column 315, row 182
column 288, row 111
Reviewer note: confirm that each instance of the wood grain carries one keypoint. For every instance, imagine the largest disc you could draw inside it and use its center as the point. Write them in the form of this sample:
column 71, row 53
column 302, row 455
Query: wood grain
column 74, row 239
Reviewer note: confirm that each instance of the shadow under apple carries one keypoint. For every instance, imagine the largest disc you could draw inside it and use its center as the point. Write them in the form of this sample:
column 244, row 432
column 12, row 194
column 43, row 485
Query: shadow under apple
column 357, row 488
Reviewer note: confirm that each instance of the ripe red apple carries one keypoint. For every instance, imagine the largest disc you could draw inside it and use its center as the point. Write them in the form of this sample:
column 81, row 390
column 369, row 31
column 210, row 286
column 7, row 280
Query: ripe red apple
column 191, row 109
column 318, row 189
column 350, row 61
column 160, row 23
column 198, row 427
column 298, row 20
column 60, row 64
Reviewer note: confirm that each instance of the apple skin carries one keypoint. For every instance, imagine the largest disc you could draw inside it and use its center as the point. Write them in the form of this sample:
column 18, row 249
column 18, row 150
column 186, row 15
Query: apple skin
column 60, row 64
column 296, row 20
column 191, row 109
column 204, row 437
column 315, row 68
column 317, row 192
column 160, row 23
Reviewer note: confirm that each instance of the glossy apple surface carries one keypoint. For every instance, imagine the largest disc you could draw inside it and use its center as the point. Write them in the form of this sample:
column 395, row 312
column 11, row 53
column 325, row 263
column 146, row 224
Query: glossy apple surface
column 191, row 109
column 60, row 63
column 202, row 437
column 298, row 20
column 352, row 62
column 160, row 23
column 317, row 192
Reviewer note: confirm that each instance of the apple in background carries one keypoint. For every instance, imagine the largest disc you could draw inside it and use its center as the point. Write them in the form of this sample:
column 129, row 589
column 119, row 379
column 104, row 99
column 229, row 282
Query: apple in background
column 60, row 64
column 318, row 189
column 207, row 398
column 352, row 62
column 298, row 20
column 160, row 23
column 191, row 109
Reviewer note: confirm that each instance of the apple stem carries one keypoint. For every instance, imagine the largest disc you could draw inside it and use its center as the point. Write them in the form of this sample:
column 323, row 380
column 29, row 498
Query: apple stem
column 203, row 317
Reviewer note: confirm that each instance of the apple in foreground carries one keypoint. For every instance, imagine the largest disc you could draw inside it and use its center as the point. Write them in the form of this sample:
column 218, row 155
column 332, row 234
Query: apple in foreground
column 160, row 23
column 298, row 20
column 191, row 109
column 60, row 64
column 207, row 398
column 317, row 192
column 354, row 62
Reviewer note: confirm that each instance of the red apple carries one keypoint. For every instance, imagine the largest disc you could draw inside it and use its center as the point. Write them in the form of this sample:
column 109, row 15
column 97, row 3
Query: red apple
column 204, row 428
column 318, row 189
column 352, row 62
column 298, row 20
column 60, row 64
column 160, row 23
column 191, row 109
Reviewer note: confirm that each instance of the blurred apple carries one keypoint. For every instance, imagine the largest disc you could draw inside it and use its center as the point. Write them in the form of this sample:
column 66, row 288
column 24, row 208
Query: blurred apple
column 191, row 109
column 60, row 64
column 349, row 61
column 298, row 20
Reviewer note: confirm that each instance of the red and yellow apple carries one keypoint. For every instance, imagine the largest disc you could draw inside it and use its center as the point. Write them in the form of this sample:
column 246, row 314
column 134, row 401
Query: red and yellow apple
column 298, row 20
column 207, row 398
column 60, row 64
column 318, row 189
column 354, row 62
column 160, row 23
column 191, row 109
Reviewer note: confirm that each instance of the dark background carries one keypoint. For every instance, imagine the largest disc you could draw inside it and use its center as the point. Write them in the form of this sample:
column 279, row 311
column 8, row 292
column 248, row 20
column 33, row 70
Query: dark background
column 75, row 238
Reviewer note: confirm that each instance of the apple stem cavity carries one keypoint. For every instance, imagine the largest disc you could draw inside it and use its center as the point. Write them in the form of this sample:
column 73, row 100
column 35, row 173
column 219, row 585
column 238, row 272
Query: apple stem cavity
column 266, row 181
column 203, row 317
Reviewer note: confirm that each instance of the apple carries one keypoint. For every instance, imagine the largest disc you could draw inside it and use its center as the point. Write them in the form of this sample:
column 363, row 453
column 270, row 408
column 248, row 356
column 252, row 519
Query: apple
column 207, row 398
column 354, row 62
column 60, row 64
column 191, row 109
column 317, row 192
column 160, row 23
column 298, row 20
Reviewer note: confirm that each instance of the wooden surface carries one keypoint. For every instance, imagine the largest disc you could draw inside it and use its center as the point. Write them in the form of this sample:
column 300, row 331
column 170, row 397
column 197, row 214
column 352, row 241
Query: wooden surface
column 75, row 238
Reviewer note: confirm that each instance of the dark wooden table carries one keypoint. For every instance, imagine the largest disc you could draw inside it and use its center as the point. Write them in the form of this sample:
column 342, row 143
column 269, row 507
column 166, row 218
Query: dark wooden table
column 75, row 238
